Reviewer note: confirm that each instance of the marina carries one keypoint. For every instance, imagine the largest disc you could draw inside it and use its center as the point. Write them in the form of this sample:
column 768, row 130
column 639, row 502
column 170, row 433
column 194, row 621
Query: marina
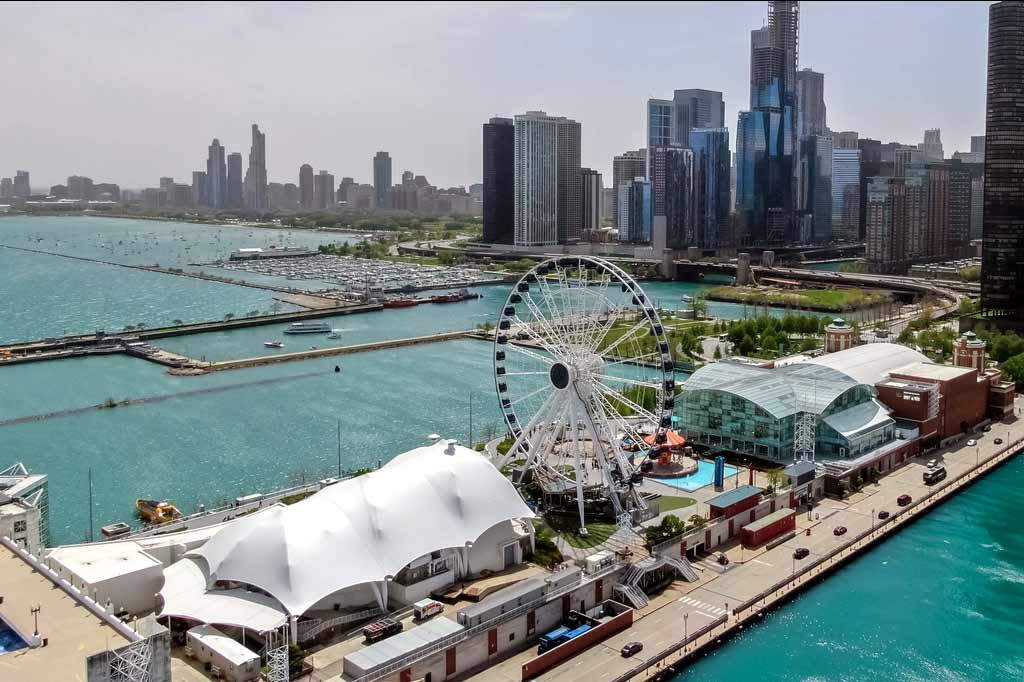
column 361, row 274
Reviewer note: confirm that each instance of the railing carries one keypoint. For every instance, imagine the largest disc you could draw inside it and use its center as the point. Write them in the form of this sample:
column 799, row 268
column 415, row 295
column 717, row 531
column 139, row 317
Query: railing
column 310, row 629
column 895, row 518
column 669, row 650
column 454, row 639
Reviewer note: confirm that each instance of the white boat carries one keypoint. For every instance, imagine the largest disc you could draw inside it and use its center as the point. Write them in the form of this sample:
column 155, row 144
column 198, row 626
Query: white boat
column 274, row 344
column 335, row 334
column 308, row 328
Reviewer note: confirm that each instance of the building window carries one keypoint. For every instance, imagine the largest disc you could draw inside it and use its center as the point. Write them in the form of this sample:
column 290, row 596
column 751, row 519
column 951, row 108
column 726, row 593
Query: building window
column 20, row 526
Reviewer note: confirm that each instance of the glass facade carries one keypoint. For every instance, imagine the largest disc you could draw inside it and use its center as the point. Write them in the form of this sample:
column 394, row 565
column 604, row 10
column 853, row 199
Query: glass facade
column 635, row 211
column 845, row 194
column 1002, row 268
column 711, row 169
column 672, row 188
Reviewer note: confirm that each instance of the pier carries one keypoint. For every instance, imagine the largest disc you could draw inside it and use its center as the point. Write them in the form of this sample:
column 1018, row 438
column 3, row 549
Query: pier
column 328, row 352
column 687, row 621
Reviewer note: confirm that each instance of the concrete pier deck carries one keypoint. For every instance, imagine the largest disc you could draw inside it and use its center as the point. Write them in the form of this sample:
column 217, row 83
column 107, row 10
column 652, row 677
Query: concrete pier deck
column 689, row 619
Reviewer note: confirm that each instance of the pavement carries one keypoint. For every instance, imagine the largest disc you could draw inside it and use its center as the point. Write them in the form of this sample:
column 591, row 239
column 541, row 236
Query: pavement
column 687, row 607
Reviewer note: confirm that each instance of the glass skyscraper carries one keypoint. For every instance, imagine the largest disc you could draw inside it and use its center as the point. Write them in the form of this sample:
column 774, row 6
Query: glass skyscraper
column 711, row 190
column 845, row 194
column 1002, row 270
column 499, row 181
column 766, row 135
column 635, row 211
column 672, row 189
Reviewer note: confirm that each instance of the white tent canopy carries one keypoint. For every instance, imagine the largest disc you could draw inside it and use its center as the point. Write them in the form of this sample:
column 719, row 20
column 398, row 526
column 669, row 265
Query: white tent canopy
column 365, row 529
column 184, row 595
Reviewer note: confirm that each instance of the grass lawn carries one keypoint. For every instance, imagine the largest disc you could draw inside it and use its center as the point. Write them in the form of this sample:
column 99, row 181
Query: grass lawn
column 669, row 503
column 818, row 299
column 597, row 533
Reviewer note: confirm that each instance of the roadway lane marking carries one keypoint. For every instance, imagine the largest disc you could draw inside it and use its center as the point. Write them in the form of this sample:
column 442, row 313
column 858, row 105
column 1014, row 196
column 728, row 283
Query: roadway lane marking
column 763, row 563
column 689, row 601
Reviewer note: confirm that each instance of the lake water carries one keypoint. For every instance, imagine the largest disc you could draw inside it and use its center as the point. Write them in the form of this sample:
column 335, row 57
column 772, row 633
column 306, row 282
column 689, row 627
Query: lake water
column 942, row 600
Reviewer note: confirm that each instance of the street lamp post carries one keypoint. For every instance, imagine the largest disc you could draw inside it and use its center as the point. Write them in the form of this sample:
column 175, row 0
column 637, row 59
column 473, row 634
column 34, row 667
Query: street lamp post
column 35, row 617
column 686, row 629
column 872, row 520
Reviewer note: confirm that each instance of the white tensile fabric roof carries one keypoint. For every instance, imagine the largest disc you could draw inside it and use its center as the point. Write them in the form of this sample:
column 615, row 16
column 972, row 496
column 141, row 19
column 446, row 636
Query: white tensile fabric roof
column 871, row 362
column 184, row 595
column 365, row 528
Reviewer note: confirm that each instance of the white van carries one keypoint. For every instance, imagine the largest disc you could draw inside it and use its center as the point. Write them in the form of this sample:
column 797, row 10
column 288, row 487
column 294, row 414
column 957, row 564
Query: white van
column 426, row 608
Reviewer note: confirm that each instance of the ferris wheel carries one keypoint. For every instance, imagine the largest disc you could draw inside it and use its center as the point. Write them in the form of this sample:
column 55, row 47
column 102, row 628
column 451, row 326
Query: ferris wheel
column 584, row 376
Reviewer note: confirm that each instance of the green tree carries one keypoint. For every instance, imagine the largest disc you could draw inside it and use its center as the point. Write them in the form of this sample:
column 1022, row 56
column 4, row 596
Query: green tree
column 1014, row 369
column 718, row 353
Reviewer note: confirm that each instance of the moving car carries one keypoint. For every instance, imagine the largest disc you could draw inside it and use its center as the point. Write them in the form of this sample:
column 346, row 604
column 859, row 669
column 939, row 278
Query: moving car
column 632, row 649
column 903, row 500
column 722, row 559
column 426, row 608
column 381, row 629
column 883, row 515
column 839, row 530
column 801, row 552
column 998, row 441
column 971, row 443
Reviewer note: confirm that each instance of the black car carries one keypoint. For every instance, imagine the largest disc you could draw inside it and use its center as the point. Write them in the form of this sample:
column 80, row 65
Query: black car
column 883, row 515
column 986, row 428
column 839, row 530
column 801, row 553
column 998, row 441
column 903, row 500
column 632, row 649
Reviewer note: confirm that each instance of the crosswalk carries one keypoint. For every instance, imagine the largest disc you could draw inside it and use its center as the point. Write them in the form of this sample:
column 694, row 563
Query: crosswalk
column 702, row 605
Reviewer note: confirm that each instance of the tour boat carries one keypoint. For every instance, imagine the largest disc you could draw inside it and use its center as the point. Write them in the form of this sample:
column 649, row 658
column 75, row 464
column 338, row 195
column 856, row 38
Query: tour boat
column 308, row 328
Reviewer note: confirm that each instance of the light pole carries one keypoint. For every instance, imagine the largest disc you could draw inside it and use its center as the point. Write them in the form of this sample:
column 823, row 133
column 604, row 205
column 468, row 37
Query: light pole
column 686, row 630
column 872, row 520
column 35, row 617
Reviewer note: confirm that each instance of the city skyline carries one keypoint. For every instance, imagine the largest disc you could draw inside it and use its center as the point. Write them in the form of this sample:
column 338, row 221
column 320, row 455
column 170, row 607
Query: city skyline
column 440, row 136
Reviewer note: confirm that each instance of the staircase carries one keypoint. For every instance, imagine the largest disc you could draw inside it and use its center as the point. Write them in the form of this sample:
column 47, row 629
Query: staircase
column 632, row 595
column 684, row 568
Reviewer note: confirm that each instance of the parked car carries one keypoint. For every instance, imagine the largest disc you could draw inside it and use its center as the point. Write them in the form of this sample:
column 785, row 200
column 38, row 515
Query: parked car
column 998, row 441
column 987, row 428
column 903, row 500
column 801, row 552
column 883, row 515
column 971, row 443
column 381, row 629
column 839, row 530
column 632, row 649
column 722, row 559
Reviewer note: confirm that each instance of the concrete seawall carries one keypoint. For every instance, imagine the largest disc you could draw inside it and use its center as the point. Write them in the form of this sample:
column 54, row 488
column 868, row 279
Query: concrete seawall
column 328, row 352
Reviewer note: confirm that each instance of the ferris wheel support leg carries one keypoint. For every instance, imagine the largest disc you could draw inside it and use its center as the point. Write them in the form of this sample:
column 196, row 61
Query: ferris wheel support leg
column 579, row 468
column 524, row 438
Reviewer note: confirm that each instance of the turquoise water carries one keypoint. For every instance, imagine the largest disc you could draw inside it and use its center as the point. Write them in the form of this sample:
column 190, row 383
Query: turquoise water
column 942, row 600
column 9, row 640
column 263, row 428
column 705, row 475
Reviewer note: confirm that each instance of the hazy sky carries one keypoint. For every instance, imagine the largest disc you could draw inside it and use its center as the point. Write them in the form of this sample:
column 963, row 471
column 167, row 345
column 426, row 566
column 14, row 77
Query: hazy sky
column 130, row 92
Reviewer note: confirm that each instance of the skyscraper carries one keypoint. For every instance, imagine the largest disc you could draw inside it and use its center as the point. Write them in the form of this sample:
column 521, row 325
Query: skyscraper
column 216, row 176
column 766, row 135
column 22, row 186
column 306, row 190
column 846, row 194
column 660, row 123
column 256, row 176
column 324, row 190
column 570, row 181
column 671, row 188
column 592, row 191
column 79, row 187
column 810, row 98
column 847, row 139
column 814, row 189
column 548, row 184
column 711, row 185
column 696, row 108
column 885, row 222
column 932, row 145
column 6, row 188
column 199, row 197
column 959, row 208
column 635, row 210
column 233, row 198
column 1002, row 270
column 381, row 178
column 626, row 167
column 499, row 181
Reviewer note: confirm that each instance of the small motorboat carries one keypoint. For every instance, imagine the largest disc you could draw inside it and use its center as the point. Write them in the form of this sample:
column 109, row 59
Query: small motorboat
column 335, row 334
column 155, row 511
column 274, row 344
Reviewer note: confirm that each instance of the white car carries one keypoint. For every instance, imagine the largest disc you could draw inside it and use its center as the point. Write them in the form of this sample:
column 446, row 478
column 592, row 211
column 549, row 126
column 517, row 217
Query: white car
column 971, row 443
